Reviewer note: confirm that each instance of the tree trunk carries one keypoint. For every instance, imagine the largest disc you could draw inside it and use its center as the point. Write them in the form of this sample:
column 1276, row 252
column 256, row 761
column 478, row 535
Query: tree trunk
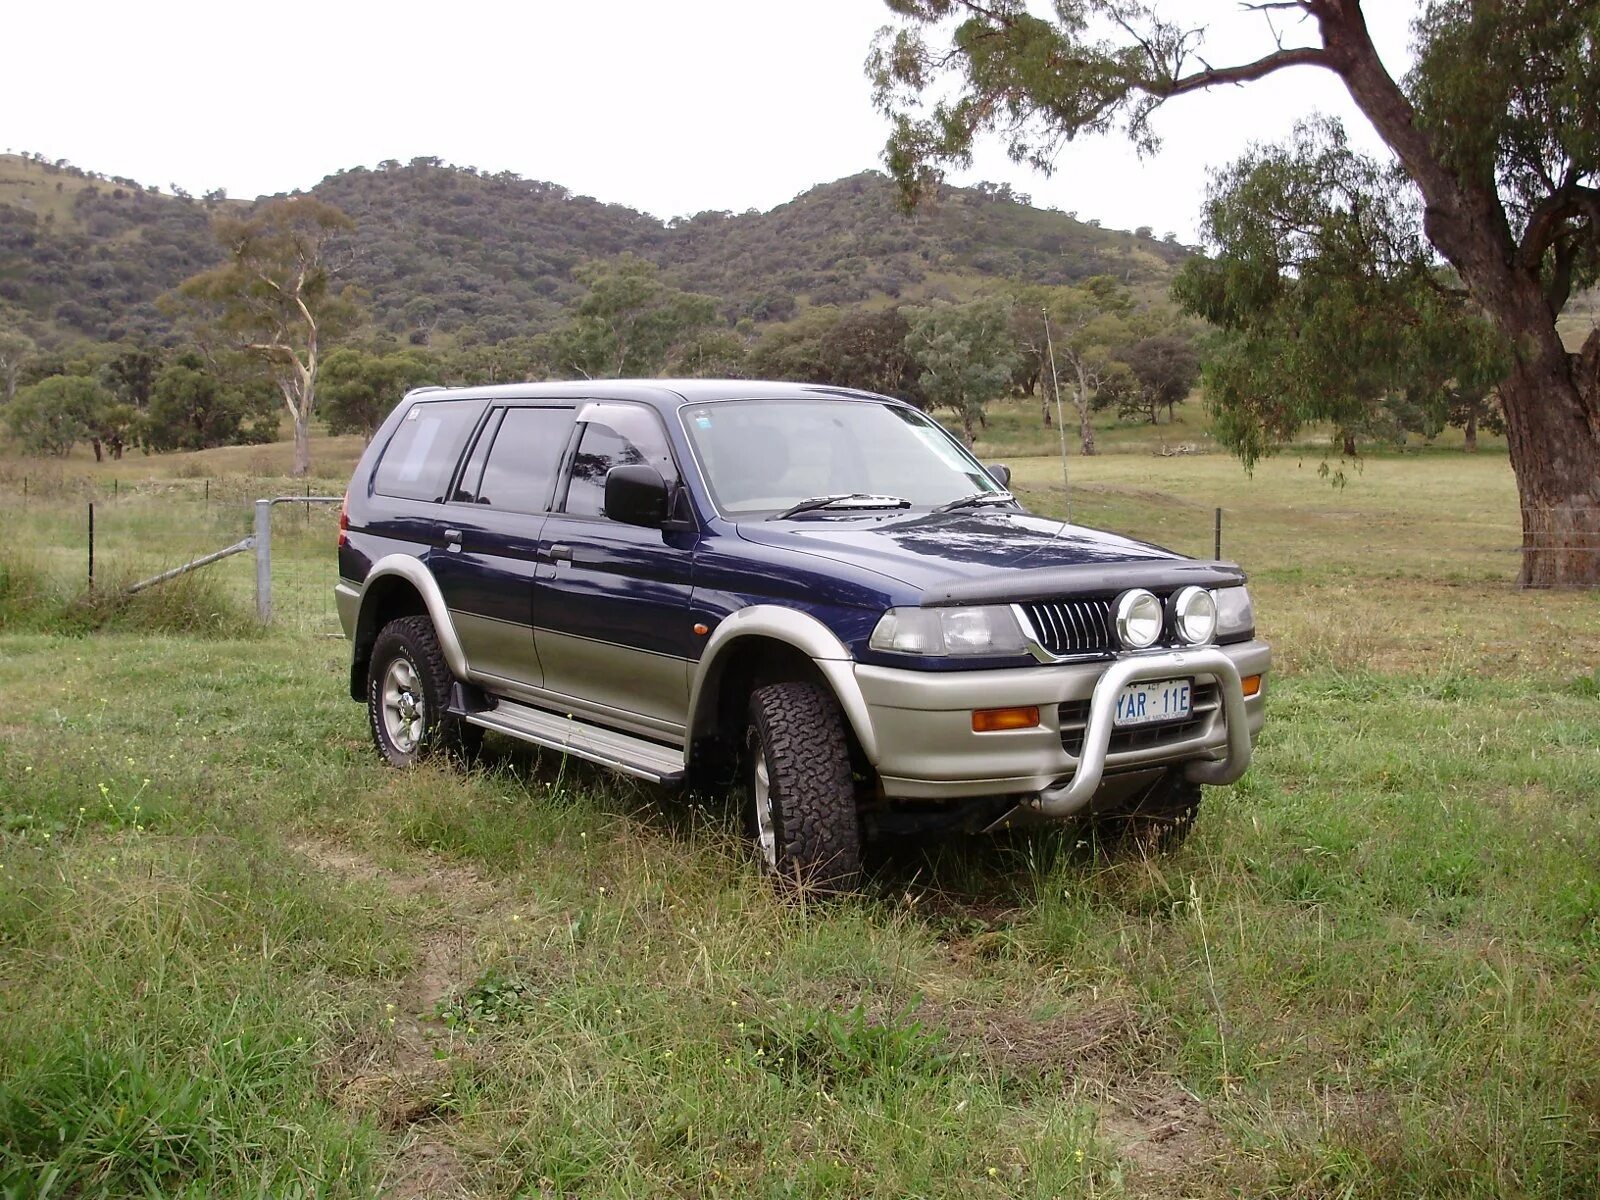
column 1350, row 445
column 1471, row 432
column 1080, row 401
column 95, row 442
column 1551, row 398
column 302, row 446
column 1553, row 427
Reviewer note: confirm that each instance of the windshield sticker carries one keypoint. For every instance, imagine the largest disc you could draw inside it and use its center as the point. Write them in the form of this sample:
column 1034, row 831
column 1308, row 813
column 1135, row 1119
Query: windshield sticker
column 702, row 420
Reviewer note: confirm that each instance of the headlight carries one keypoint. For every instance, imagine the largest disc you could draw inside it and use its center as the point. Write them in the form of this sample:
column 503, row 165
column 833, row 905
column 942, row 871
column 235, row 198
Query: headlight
column 1194, row 616
column 1236, row 618
column 1139, row 619
column 989, row 629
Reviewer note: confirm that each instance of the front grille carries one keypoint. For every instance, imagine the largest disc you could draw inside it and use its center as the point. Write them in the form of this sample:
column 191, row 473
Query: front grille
column 1074, row 715
column 1066, row 627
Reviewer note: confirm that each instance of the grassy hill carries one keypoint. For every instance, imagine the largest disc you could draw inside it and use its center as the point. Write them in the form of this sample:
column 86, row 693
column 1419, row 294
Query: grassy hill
column 442, row 249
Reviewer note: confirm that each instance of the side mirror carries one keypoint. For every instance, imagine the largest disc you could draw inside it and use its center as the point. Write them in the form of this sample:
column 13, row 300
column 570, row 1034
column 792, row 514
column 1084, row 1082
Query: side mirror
column 1000, row 473
column 636, row 495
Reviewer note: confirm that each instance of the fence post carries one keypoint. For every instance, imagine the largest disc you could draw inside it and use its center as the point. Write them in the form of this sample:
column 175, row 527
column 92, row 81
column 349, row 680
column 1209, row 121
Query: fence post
column 91, row 545
column 264, row 560
column 1218, row 548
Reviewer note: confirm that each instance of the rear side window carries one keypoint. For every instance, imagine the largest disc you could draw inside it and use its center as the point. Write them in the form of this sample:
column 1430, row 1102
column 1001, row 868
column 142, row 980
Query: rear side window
column 421, row 456
column 520, row 472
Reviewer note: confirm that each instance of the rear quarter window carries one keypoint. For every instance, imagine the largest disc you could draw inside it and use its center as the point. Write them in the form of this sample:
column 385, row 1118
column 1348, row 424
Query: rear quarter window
column 421, row 456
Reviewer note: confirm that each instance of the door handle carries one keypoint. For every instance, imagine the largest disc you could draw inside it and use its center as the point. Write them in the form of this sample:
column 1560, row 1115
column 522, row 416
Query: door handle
column 453, row 539
column 559, row 553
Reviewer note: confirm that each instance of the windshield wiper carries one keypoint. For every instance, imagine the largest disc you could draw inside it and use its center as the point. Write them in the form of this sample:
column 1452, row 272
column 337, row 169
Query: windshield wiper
column 974, row 500
column 863, row 500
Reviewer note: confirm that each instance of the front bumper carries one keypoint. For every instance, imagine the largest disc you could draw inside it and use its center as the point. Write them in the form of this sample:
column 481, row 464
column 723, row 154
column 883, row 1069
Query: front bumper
column 926, row 748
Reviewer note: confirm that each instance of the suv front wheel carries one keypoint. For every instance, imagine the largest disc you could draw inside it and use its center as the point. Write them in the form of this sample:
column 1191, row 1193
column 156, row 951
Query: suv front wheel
column 799, row 795
column 408, row 697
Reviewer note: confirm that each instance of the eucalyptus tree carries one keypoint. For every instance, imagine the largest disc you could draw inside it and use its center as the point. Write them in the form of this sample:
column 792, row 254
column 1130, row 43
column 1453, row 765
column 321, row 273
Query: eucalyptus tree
column 966, row 355
column 276, row 297
column 1496, row 128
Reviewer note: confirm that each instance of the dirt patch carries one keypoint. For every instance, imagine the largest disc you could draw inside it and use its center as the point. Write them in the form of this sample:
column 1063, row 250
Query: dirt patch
column 397, row 1080
column 1162, row 1132
column 1077, row 1040
column 426, row 1169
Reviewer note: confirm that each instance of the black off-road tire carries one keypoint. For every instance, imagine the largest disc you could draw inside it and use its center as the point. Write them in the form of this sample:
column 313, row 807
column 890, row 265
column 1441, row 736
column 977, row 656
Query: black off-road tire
column 414, row 640
column 1156, row 822
column 816, row 826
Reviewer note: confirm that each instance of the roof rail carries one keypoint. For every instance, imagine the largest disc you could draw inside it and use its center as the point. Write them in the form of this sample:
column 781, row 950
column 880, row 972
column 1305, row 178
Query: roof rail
column 428, row 387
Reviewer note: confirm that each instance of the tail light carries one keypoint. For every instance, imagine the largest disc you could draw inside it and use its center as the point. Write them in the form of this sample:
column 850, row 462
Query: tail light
column 344, row 521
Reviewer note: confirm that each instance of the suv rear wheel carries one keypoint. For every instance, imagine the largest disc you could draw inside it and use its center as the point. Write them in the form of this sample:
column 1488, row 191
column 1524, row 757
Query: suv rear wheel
column 799, row 796
column 408, row 697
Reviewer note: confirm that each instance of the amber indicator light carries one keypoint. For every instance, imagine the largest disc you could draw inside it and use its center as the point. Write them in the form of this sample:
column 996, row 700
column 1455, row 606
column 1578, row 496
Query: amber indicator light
column 1250, row 684
column 993, row 720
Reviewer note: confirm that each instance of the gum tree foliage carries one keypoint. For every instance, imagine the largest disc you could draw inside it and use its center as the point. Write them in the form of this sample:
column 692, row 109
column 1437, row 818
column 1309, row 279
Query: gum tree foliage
column 131, row 373
column 1165, row 368
column 966, row 355
column 1331, row 305
column 711, row 354
column 194, row 406
column 630, row 322
column 55, row 414
column 1087, row 327
column 360, row 388
column 857, row 347
column 16, row 348
column 275, row 298
column 1496, row 131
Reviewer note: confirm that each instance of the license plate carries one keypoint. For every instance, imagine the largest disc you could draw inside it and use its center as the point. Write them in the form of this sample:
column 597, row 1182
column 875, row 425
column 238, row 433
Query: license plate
column 1154, row 702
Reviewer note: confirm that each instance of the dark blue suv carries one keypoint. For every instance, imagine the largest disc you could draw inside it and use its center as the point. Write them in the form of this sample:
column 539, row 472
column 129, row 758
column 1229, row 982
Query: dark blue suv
column 816, row 591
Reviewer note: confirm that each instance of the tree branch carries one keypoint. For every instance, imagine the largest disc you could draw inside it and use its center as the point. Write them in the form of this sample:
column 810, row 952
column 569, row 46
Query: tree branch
column 1550, row 215
column 1278, row 60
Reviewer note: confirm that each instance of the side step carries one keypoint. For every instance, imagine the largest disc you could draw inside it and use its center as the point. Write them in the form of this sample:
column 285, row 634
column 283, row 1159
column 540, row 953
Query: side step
column 608, row 747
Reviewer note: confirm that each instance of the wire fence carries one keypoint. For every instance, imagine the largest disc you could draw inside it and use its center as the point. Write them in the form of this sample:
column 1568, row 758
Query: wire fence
column 110, row 535
column 143, row 530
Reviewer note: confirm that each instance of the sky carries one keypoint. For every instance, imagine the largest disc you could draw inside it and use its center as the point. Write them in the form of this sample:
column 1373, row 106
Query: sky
column 671, row 108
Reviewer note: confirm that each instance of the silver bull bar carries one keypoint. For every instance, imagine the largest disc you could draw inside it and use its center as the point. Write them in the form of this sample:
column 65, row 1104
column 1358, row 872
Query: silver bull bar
column 1066, row 799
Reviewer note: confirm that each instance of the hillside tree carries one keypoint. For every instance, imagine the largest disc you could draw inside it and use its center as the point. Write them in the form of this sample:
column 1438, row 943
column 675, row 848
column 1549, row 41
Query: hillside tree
column 1166, row 366
column 195, row 405
column 276, row 298
column 16, row 348
column 1495, row 128
column 630, row 322
column 966, row 356
column 52, row 416
column 360, row 388
column 1330, row 305
column 1083, row 327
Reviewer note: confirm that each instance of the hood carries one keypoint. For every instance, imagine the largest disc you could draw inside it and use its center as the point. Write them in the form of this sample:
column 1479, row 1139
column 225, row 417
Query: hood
column 972, row 555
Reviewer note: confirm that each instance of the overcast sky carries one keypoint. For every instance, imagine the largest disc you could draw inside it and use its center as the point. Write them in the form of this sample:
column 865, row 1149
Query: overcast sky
column 667, row 107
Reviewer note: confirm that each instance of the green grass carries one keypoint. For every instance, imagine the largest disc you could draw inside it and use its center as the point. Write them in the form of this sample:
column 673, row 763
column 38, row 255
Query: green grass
column 239, row 958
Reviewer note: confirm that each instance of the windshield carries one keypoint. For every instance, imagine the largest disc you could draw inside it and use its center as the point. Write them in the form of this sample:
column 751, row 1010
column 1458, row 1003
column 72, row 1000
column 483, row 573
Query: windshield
column 766, row 456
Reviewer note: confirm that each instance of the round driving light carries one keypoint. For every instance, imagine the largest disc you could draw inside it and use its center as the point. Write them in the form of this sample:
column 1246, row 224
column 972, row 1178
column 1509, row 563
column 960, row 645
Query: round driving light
column 1194, row 615
column 1138, row 619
